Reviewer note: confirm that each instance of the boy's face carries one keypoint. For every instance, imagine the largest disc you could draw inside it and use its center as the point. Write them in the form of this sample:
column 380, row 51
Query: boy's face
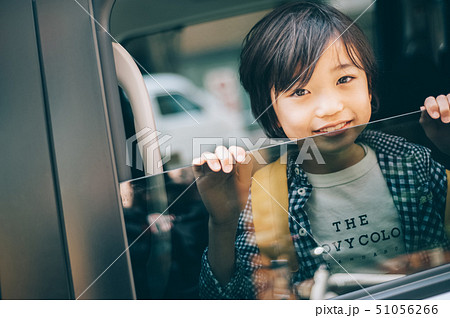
column 336, row 97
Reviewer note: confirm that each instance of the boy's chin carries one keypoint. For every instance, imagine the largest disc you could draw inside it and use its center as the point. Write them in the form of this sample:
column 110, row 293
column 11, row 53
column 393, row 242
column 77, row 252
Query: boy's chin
column 338, row 141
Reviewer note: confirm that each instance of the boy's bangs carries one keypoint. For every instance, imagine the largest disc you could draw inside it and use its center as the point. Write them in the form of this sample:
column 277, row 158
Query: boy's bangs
column 290, row 80
column 352, row 53
column 302, row 45
column 286, row 79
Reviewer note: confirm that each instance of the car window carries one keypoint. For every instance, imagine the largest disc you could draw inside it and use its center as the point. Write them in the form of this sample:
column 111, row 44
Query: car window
column 170, row 104
column 167, row 218
column 280, row 250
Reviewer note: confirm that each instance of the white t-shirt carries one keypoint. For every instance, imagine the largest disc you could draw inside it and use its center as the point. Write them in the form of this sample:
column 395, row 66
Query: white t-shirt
column 353, row 217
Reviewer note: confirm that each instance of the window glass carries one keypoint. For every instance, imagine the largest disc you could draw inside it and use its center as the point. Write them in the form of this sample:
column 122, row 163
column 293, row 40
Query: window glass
column 167, row 217
column 302, row 235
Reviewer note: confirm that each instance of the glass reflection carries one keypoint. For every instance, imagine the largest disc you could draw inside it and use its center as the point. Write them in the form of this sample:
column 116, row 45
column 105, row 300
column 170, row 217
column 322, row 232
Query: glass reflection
column 166, row 225
column 377, row 220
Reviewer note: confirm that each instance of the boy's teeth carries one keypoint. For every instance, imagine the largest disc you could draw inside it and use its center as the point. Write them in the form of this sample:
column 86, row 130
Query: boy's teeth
column 330, row 129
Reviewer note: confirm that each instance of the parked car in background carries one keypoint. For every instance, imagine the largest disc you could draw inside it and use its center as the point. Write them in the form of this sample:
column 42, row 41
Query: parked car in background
column 188, row 113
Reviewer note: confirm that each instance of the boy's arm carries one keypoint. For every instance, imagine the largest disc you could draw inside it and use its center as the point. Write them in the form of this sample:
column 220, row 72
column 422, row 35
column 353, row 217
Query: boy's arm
column 435, row 121
column 243, row 262
column 221, row 256
column 223, row 179
column 447, row 207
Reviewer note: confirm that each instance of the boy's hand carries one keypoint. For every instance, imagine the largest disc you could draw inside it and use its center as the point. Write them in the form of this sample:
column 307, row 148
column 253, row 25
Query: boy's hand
column 160, row 223
column 435, row 120
column 224, row 183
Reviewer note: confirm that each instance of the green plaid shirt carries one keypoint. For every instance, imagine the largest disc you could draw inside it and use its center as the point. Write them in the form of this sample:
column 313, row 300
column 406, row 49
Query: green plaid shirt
column 418, row 186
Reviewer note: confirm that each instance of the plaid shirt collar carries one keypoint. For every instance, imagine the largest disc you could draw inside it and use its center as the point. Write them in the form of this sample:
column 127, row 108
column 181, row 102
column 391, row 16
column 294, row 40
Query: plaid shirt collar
column 407, row 169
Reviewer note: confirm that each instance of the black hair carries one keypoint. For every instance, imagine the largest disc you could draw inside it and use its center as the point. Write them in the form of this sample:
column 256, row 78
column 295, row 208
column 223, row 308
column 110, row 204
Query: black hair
column 284, row 46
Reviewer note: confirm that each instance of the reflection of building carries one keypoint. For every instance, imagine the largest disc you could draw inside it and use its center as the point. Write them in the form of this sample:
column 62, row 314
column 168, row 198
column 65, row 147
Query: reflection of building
column 224, row 84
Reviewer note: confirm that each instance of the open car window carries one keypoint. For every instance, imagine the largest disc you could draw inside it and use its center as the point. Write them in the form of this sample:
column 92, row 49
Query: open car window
column 386, row 223
column 345, row 249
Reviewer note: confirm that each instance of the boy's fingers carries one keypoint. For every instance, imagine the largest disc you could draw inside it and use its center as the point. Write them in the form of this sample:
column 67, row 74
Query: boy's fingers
column 432, row 107
column 153, row 226
column 425, row 118
column 211, row 159
column 197, row 167
column 448, row 101
column 444, row 108
column 198, row 161
column 222, row 159
column 167, row 223
column 225, row 157
column 238, row 153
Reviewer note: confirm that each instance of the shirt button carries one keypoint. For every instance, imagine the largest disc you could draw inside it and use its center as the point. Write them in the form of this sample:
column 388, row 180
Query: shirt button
column 301, row 191
column 297, row 171
column 318, row 251
column 302, row 232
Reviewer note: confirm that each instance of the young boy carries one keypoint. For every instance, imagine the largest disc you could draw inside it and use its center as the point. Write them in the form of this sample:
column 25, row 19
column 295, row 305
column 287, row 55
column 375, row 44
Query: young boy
column 310, row 72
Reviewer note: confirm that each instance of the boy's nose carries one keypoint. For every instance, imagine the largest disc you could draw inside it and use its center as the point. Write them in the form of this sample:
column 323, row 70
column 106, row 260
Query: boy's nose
column 328, row 107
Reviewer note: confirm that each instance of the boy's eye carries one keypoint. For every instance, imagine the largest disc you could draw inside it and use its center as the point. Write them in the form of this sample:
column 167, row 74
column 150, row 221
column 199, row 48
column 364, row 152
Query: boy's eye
column 300, row 92
column 345, row 79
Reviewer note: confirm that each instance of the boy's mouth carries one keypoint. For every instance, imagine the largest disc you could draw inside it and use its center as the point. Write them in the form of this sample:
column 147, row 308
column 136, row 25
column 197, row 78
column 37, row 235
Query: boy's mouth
column 332, row 128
